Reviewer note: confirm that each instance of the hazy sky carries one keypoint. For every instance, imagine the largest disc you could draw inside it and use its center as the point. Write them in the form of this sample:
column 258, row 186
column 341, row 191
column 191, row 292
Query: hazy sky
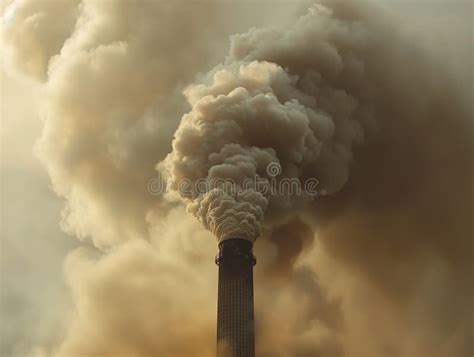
column 54, row 285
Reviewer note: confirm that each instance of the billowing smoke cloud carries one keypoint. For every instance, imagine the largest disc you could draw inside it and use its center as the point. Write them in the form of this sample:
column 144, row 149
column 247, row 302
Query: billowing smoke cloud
column 36, row 31
column 106, row 88
column 279, row 98
column 378, row 266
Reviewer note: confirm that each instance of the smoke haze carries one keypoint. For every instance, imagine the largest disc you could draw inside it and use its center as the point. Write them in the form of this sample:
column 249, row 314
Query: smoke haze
column 339, row 91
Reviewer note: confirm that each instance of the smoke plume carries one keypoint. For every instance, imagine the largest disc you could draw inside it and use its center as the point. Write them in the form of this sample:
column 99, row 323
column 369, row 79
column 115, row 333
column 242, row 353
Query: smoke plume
column 379, row 263
column 280, row 97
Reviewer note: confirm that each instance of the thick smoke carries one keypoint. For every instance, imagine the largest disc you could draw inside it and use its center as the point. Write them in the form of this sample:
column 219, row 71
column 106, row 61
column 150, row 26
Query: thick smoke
column 280, row 97
column 378, row 266
column 37, row 33
column 107, row 83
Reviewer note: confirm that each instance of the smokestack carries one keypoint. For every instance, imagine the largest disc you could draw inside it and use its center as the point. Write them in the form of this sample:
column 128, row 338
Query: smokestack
column 235, row 317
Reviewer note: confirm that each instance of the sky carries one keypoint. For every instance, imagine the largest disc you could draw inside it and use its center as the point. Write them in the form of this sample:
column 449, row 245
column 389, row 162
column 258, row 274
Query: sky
column 80, row 241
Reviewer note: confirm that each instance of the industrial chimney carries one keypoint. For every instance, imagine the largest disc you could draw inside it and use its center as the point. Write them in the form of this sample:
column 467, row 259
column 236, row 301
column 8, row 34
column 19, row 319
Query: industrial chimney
column 235, row 317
